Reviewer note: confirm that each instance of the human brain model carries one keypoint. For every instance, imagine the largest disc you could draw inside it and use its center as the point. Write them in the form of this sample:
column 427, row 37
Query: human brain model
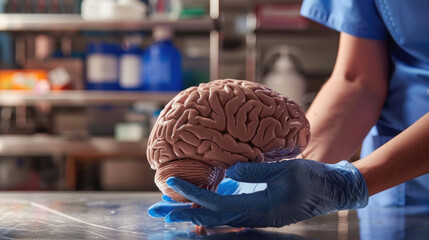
column 206, row 129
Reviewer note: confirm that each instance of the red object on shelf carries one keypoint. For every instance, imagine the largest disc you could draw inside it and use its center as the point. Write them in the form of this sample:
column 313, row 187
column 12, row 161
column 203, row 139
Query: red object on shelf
column 280, row 16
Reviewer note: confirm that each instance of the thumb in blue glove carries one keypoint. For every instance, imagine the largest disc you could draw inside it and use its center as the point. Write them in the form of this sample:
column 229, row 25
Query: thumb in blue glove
column 296, row 190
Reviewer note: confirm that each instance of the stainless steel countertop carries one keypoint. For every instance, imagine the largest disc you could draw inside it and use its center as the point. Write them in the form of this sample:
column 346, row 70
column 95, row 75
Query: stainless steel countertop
column 98, row 215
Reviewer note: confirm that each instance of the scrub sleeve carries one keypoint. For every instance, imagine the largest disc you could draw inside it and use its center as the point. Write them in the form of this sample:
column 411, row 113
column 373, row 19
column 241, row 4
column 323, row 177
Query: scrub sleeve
column 359, row 18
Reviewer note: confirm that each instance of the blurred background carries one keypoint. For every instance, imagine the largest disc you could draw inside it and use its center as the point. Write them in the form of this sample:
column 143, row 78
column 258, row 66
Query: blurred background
column 82, row 82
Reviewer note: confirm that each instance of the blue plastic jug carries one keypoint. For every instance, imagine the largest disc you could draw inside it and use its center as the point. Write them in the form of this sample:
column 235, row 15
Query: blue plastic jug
column 162, row 65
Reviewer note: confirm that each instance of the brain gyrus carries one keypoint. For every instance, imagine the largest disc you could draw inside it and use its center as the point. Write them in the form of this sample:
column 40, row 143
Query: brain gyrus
column 206, row 129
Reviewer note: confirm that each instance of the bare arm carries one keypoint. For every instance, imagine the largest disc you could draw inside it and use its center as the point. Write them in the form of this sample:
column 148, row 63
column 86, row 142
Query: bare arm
column 403, row 158
column 350, row 102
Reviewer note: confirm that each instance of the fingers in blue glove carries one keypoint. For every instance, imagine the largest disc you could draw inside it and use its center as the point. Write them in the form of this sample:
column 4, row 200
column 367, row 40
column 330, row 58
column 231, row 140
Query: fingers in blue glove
column 201, row 216
column 200, row 196
column 163, row 208
column 167, row 198
column 209, row 199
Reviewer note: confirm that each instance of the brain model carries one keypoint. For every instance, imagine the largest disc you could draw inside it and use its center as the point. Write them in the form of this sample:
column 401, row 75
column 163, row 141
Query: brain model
column 206, row 129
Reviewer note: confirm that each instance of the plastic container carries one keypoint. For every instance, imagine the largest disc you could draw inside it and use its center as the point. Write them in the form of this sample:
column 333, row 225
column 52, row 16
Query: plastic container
column 102, row 67
column 165, row 9
column 130, row 132
column 285, row 79
column 99, row 10
column 194, row 8
column 162, row 64
column 129, row 69
column 60, row 79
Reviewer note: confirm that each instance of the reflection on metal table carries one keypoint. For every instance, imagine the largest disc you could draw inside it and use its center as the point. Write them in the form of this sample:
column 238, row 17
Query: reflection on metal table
column 95, row 215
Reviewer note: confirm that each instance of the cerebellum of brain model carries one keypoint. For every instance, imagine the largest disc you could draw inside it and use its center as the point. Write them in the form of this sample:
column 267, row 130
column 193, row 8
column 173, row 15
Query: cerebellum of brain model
column 206, row 129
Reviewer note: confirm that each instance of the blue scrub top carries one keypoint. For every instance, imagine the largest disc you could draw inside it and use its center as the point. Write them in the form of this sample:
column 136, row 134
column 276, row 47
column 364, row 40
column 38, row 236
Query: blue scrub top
column 404, row 25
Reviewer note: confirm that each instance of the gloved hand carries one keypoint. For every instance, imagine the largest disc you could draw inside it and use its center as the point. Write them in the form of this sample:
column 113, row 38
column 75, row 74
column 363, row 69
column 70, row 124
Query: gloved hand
column 228, row 186
column 296, row 190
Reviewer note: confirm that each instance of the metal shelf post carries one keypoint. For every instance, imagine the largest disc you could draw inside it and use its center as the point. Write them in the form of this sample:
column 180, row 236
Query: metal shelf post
column 215, row 40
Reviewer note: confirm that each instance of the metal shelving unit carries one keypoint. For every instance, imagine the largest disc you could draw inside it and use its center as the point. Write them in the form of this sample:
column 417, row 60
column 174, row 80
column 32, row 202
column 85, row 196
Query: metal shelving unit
column 74, row 22
column 43, row 145
column 81, row 98
column 70, row 152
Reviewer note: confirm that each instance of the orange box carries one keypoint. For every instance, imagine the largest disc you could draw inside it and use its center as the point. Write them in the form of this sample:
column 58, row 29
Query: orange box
column 22, row 79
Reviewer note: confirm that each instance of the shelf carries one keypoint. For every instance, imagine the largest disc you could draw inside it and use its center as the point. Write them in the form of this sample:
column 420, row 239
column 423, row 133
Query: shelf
column 41, row 145
column 81, row 98
column 74, row 22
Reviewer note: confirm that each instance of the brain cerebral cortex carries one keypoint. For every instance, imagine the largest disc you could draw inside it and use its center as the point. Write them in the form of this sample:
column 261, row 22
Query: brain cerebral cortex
column 206, row 129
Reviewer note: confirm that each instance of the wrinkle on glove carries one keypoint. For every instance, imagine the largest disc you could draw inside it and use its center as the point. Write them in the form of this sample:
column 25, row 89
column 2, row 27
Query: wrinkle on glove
column 295, row 190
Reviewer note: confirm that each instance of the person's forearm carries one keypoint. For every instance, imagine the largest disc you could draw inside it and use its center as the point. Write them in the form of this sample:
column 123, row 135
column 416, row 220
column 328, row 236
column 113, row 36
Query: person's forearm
column 341, row 115
column 403, row 158
column 350, row 102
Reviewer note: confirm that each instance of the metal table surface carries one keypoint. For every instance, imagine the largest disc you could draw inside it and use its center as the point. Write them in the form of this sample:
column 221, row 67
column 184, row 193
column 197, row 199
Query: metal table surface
column 99, row 215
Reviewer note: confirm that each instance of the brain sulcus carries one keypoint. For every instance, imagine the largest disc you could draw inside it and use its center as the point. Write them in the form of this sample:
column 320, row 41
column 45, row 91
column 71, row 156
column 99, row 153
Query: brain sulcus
column 206, row 129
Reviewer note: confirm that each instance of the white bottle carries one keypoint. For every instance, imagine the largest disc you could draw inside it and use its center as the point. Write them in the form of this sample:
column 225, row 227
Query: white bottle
column 111, row 10
column 130, row 64
column 285, row 79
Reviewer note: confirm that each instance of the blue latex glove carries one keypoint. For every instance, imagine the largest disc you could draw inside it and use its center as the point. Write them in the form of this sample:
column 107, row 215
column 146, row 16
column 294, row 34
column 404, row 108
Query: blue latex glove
column 228, row 186
column 296, row 190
